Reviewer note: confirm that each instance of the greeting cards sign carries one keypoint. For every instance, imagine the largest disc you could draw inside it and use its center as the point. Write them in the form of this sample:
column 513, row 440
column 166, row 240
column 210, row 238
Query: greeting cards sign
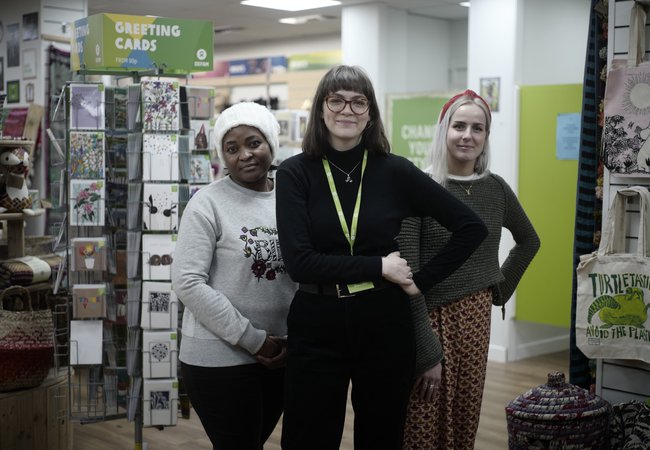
column 108, row 42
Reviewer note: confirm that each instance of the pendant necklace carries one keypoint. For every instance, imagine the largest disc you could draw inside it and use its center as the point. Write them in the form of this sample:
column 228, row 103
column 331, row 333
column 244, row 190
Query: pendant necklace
column 467, row 190
column 348, row 179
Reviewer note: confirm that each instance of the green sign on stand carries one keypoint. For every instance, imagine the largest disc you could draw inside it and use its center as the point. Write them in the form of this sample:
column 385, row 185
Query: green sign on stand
column 412, row 124
column 118, row 42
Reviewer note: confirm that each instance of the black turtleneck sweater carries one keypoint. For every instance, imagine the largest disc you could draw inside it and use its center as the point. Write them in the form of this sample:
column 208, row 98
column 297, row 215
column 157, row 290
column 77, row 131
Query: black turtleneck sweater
column 313, row 245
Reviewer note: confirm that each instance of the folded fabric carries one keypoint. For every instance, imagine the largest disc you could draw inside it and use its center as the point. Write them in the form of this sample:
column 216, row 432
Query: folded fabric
column 28, row 270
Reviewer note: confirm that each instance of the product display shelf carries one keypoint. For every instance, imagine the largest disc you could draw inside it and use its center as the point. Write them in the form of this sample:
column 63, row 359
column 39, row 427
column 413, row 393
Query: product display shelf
column 38, row 417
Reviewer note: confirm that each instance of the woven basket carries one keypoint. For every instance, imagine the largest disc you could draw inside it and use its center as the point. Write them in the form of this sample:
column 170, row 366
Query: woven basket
column 26, row 342
column 558, row 415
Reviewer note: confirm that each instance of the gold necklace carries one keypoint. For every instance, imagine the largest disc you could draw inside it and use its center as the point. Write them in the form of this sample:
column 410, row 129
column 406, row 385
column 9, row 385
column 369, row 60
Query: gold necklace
column 348, row 179
column 467, row 190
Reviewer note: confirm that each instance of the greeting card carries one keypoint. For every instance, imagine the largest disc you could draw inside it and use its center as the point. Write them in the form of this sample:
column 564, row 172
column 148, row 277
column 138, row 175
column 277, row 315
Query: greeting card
column 200, row 168
column 121, row 302
column 86, row 342
column 286, row 122
column 87, row 202
column 86, row 154
column 88, row 253
column 133, row 109
column 116, row 107
column 116, row 146
column 157, row 256
column 201, row 134
column 160, row 106
column 160, row 402
column 194, row 188
column 159, row 306
column 160, row 157
column 121, row 257
column 200, row 101
column 86, row 106
column 89, row 301
column 160, row 207
column 159, row 354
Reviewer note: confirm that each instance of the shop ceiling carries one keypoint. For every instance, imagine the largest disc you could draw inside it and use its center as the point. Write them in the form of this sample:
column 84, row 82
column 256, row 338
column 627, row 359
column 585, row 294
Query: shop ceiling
column 236, row 24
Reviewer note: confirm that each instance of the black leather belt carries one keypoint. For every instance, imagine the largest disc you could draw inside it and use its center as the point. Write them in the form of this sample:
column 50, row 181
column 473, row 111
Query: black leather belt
column 340, row 290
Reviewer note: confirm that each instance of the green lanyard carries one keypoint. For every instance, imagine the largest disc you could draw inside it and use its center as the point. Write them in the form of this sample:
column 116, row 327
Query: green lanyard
column 350, row 234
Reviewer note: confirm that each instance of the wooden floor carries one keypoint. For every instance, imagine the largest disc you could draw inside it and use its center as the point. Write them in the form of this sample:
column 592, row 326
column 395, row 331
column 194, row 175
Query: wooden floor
column 504, row 382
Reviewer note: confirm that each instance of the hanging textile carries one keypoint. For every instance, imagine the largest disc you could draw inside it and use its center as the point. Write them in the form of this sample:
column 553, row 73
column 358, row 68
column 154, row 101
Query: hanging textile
column 590, row 170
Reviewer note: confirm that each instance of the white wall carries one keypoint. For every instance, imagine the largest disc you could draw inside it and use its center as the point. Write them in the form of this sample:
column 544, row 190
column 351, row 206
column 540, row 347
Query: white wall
column 555, row 41
column 430, row 49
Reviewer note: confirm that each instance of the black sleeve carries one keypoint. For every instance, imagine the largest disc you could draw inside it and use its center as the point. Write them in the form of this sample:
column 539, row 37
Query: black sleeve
column 303, row 262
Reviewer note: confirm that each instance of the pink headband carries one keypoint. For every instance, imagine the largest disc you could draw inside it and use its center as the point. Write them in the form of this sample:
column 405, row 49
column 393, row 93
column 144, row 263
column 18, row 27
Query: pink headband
column 468, row 93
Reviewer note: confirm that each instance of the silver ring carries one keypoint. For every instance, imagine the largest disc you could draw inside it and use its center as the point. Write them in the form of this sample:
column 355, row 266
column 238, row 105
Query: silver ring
column 431, row 386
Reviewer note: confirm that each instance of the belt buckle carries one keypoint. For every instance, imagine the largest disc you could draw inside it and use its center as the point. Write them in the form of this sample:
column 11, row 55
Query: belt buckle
column 342, row 294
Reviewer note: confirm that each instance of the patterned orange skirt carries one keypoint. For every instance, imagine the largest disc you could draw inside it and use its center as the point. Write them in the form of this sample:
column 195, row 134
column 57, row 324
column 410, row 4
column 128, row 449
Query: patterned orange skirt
column 450, row 421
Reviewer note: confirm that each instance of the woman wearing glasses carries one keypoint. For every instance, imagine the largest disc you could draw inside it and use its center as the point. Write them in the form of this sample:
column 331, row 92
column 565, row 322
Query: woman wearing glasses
column 340, row 205
column 229, row 274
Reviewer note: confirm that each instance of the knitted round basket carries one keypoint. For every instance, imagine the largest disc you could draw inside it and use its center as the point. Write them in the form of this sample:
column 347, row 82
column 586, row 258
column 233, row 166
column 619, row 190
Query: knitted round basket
column 26, row 342
column 557, row 415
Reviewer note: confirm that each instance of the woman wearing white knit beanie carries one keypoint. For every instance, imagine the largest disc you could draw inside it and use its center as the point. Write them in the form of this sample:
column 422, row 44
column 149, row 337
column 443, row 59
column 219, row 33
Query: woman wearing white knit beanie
column 229, row 273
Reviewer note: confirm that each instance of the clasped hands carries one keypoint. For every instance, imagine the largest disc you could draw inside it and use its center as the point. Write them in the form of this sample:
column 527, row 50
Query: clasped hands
column 396, row 270
column 273, row 353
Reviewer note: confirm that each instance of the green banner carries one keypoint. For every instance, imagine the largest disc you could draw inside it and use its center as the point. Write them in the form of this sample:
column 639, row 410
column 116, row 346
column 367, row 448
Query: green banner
column 118, row 42
column 314, row 61
column 412, row 125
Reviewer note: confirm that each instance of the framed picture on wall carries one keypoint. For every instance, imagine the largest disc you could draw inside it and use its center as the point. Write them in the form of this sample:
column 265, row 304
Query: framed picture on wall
column 29, row 92
column 13, row 91
column 29, row 63
column 13, row 45
column 30, row 26
column 490, row 91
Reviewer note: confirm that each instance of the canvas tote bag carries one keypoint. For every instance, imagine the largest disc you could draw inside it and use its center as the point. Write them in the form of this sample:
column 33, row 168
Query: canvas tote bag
column 626, row 128
column 613, row 292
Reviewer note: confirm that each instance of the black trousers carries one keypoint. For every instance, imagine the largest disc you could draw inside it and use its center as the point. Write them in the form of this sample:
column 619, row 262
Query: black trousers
column 239, row 406
column 366, row 339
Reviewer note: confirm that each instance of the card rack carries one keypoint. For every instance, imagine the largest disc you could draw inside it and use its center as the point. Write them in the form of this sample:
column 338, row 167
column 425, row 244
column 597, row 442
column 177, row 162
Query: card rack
column 116, row 302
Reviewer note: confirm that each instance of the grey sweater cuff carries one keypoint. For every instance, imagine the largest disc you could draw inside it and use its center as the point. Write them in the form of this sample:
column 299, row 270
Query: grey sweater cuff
column 428, row 349
column 252, row 339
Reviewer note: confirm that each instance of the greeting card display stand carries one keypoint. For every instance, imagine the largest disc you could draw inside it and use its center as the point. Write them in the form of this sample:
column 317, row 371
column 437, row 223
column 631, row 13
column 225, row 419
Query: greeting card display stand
column 117, row 281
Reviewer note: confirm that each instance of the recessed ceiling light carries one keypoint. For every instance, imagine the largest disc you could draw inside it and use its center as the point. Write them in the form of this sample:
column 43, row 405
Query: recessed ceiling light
column 300, row 20
column 465, row 4
column 291, row 5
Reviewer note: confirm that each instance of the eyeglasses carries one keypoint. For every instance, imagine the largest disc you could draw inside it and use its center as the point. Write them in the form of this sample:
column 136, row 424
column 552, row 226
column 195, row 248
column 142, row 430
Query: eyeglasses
column 336, row 104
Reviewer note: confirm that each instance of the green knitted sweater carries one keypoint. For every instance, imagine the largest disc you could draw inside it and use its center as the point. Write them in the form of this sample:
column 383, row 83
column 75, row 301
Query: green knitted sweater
column 497, row 205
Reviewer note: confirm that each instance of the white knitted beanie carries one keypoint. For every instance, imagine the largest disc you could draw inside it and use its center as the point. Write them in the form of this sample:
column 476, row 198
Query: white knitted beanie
column 251, row 114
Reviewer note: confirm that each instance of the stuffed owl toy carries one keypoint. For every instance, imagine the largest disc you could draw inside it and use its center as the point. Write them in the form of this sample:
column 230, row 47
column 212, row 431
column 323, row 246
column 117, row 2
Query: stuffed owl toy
column 14, row 196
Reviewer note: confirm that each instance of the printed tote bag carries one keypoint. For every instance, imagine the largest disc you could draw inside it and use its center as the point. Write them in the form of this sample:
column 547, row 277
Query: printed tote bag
column 613, row 295
column 626, row 128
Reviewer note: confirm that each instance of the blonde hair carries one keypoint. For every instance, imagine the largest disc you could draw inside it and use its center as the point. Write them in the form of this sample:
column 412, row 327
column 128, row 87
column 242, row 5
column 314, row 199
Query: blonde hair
column 437, row 162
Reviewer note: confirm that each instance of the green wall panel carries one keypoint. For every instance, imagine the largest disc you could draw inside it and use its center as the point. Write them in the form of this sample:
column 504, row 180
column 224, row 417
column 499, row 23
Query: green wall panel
column 547, row 191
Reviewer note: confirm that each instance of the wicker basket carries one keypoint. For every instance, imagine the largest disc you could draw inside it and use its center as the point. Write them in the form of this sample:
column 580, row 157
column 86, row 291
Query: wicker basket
column 26, row 341
column 557, row 415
